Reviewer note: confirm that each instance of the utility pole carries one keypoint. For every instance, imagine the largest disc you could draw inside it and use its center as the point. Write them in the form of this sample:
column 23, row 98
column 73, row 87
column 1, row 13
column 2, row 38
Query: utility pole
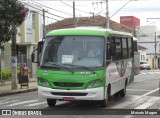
column 93, row 18
column 0, row 67
column 14, row 58
column 44, row 22
column 155, row 50
column 74, row 20
column 107, row 15
column 155, row 58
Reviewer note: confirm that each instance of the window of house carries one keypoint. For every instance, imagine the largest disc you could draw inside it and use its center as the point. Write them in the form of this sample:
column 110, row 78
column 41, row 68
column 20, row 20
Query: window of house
column 144, row 57
column 33, row 21
column 141, row 58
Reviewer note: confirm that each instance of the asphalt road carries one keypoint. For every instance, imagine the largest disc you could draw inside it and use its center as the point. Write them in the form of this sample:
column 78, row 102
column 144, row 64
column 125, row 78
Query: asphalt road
column 143, row 93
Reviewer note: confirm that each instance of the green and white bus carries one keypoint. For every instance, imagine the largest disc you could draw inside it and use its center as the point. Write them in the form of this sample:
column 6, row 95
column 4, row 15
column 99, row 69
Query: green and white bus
column 64, row 74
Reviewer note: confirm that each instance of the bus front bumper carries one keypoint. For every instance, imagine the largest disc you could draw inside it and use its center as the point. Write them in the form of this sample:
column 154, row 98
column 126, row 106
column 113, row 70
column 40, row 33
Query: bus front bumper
column 87, row 94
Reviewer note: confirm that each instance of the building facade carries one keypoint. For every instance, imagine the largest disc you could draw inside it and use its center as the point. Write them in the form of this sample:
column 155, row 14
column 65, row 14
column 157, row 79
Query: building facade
column 142, row 50
column 149, row 37
column 28, row 35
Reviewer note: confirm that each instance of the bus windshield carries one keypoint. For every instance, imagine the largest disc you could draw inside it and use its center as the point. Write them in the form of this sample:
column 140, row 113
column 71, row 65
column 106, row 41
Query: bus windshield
column 72, row 51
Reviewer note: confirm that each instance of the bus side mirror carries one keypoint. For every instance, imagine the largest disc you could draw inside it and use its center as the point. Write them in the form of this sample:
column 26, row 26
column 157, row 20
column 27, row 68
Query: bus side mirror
column 40, row 45
column 34, row 56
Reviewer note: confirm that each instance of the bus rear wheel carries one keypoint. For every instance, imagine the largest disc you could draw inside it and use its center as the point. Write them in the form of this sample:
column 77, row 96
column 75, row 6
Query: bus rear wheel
column 122, row 93
column 51, row 102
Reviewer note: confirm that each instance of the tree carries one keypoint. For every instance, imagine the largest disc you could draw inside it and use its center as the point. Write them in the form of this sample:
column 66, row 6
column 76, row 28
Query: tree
column 12, row 12
column 12, row 15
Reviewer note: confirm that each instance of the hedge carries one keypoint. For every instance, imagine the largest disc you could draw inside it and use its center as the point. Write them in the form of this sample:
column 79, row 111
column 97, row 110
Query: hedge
column 6, row 74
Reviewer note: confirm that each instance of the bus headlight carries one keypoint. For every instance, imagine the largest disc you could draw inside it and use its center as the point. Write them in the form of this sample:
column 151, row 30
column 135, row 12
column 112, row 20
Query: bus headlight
column 95, row 82
column 42, row 81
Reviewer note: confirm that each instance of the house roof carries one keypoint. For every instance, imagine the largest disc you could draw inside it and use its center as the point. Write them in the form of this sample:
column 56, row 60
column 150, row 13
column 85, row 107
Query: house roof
column 142, row 47
column 87, row 21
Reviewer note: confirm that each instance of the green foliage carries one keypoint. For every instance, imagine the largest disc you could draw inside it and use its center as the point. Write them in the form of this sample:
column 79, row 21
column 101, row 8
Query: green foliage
column 11, row 12
column 6, row 74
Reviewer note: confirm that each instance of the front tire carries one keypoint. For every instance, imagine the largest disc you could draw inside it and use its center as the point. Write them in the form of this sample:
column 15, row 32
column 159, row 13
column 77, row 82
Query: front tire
column 51, row 102
column 103, row 103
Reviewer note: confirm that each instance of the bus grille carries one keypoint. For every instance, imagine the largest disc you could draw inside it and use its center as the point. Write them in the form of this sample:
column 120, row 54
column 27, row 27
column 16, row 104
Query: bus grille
column 68, row 94
column 68, row 84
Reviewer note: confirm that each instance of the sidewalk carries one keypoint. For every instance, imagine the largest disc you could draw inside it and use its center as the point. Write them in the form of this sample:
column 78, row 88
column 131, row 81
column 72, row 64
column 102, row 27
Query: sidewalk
column 6, row 89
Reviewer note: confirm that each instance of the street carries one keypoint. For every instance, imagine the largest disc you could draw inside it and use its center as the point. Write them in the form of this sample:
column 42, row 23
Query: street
column 143, row 93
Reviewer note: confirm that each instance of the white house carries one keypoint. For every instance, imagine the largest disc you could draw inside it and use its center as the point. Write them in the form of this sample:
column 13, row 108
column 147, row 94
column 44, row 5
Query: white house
column 148, row 36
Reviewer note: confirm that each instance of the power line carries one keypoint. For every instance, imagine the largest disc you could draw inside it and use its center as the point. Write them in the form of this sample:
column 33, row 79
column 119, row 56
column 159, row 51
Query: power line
column 100, row 12
column 72, row 7
column 46, row 16
column 51, row 8
column 42, row 10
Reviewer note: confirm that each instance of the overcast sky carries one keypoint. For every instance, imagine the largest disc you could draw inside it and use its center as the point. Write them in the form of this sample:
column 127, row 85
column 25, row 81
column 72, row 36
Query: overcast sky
column 141, row 9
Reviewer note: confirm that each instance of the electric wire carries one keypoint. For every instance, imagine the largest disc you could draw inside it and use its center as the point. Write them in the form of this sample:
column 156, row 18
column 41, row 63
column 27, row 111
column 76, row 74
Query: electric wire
column 75, row 8
column 42, row 10
column 52, row 8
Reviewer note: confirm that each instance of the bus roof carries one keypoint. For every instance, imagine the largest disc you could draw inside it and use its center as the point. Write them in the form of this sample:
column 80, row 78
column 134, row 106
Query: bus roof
column 86, row 31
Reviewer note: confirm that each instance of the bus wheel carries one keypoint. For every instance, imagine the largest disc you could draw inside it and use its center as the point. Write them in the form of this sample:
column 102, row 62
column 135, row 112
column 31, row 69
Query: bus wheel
column 51, row 102
column 123, row 91
column 103, row 103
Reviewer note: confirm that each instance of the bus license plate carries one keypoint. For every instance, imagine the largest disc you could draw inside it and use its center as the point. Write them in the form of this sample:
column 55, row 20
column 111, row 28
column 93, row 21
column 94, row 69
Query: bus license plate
column 69, row 98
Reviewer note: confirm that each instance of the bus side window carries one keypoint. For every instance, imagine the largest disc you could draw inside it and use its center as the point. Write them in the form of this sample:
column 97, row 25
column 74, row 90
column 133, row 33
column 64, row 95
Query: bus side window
column 113, row 49
column 110, row 50
column 124, row 45
column 118, row 48
column 130, row 47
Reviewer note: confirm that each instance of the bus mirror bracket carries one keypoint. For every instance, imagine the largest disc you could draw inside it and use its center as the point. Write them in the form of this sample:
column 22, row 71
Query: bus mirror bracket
column 40, row 45
column 33, row 56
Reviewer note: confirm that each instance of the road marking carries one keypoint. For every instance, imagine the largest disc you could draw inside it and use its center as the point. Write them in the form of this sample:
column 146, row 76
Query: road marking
column 129, row 116
column 148, row 103
column 126, row 103
column 121, row 105
column 145, row 105
column 8, row 102
column 149, row 92
column 35, row 104
column 18, row 103
column 143, row 73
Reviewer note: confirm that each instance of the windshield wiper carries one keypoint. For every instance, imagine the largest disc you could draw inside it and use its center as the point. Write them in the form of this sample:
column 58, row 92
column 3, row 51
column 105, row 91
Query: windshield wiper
column 82, row 67
column 60, row 66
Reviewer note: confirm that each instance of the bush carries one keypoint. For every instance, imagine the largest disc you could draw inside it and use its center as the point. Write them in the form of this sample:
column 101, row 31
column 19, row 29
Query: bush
column 6, row 74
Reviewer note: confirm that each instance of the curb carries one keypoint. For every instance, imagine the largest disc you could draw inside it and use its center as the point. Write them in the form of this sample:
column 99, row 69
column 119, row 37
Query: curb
column 18, row 92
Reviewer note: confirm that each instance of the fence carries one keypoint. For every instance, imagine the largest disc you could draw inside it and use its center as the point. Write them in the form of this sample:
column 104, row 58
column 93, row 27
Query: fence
column 5, row 65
